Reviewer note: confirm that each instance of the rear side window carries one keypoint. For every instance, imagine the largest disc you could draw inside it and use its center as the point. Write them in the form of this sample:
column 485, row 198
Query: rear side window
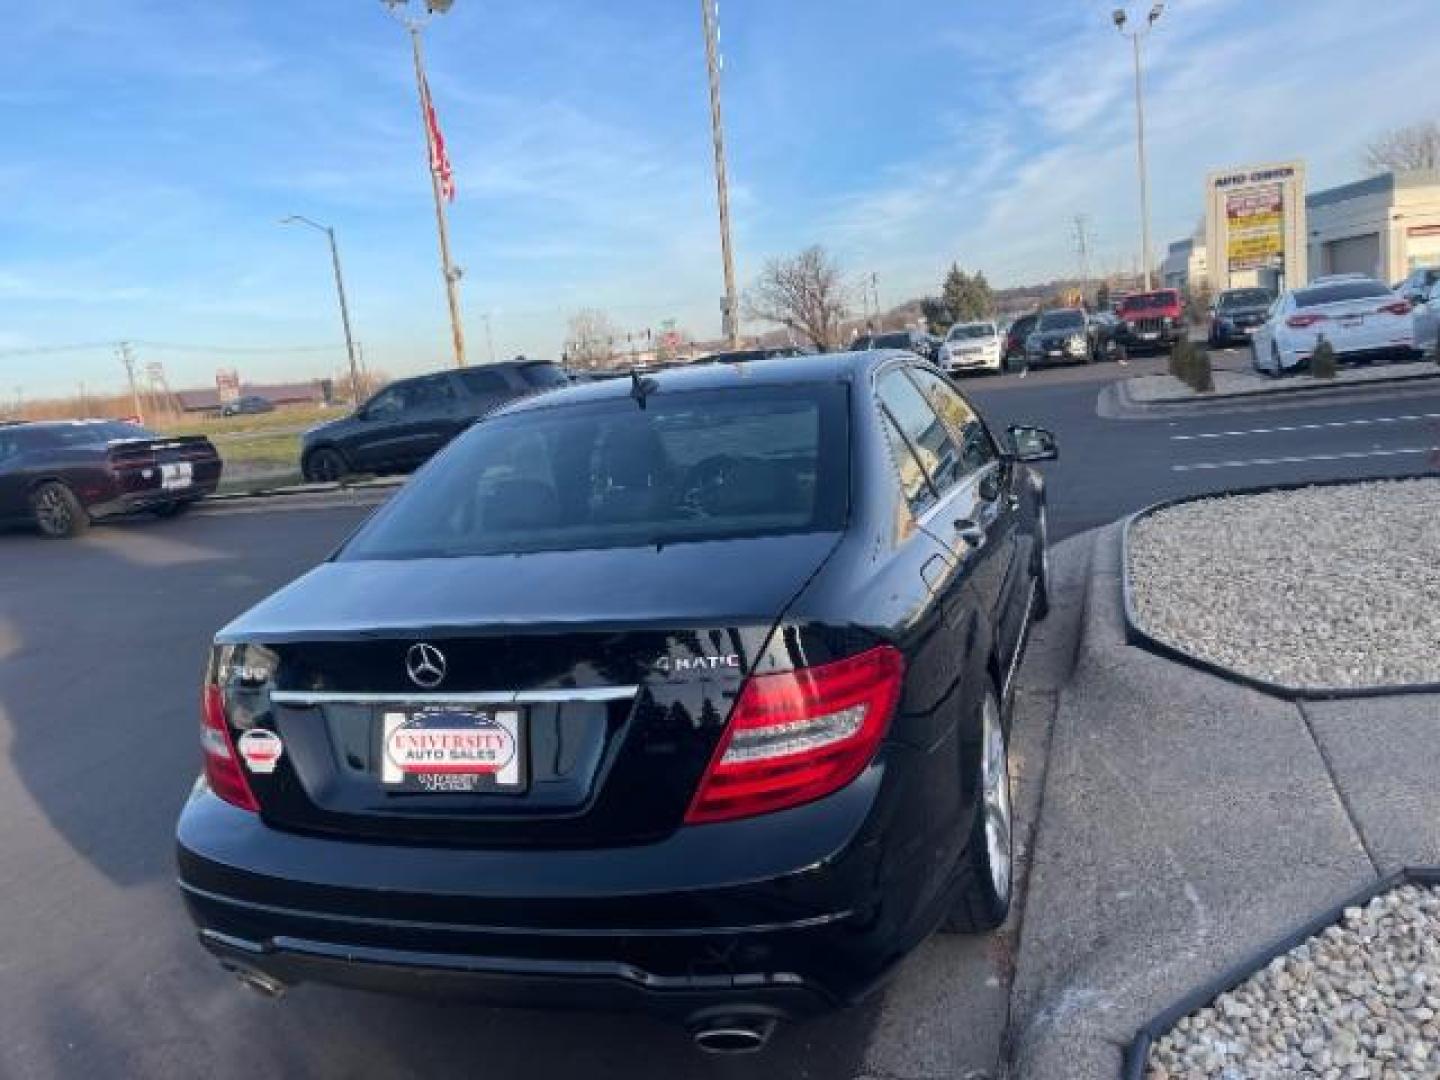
column 924, row 435
column 706, row 465
column 484, row 383
column 430, row 393
column 543, row 375
column 1339, row 292
column 976, row 447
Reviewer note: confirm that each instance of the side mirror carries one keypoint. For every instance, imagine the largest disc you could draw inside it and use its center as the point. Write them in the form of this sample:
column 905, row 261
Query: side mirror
column 1032, row 444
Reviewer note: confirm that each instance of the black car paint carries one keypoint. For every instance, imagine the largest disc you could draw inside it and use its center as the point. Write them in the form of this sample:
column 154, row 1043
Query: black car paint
column 610, row 901
column 99, row 478
column 1228, row 324
column 406, row 439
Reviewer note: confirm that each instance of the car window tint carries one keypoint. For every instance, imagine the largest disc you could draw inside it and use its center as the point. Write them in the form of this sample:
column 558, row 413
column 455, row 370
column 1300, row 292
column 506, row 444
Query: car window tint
column 977, row 449
column 9, row 447
column 923, row 429
column 1339, row 292
column 914, row 484
column 704, row 465
column 430, row 393
column 543, row 375
column 484, row 383
column 389, row 402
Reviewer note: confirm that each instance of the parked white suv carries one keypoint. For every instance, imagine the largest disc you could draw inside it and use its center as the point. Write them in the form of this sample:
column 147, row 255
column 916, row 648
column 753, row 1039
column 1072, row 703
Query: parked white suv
column 972, row 346
column 1360, row 317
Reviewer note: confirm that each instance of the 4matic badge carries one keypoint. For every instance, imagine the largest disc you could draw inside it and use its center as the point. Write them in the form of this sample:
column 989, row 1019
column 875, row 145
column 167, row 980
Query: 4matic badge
column 674, row 665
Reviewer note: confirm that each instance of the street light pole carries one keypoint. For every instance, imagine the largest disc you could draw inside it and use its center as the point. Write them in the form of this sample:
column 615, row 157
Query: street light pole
column 730, row 315
column 448, row 270
column 1121, row 19
column 329, row 232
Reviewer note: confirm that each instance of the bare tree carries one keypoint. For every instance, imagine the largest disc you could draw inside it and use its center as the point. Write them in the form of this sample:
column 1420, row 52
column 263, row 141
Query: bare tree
column 805, row 294
column 590, row 340
column 1416, row 146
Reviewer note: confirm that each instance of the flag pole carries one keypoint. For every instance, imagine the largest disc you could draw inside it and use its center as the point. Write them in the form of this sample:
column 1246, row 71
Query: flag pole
column 448, row 270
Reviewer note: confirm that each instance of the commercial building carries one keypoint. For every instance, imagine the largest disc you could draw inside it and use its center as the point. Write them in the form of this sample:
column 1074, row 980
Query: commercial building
column 1185, row 265
column 1385, row 226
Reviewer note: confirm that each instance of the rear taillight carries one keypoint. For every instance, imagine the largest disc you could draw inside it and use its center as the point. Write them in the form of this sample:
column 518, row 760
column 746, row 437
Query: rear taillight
column 797, row 736
column 1308, row 318
column 1399, row 307
column 222, row 764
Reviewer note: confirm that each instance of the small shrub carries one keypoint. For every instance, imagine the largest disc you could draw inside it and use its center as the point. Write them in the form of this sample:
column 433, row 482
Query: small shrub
column 1323, row 364
column 1180, row 355
column 1202, row 376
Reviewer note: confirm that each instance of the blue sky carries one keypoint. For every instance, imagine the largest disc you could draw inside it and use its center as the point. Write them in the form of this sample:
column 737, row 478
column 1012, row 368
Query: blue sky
column 148, row 147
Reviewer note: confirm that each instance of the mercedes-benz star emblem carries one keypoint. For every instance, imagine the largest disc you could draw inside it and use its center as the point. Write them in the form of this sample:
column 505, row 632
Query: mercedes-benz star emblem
column 426, row 665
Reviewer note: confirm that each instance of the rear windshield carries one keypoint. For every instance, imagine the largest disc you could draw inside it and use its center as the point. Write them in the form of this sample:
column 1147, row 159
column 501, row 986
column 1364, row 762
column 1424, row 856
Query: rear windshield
column 970, row 331
column 1244, row 298
column 1339, row 292
column 1062, row 320
column 544, row 375
column 1142, row 301
column 705, row 465
column 891, row 341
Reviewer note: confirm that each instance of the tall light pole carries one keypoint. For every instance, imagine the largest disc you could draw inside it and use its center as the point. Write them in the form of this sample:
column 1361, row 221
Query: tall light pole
column 1122, row 20
column 448, row 270
column 301, row 219
column 729, row 313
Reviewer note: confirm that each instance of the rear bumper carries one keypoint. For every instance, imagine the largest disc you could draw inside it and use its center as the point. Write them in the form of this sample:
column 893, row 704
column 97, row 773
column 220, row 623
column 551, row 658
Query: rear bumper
column 133, row 502
column 791, row 914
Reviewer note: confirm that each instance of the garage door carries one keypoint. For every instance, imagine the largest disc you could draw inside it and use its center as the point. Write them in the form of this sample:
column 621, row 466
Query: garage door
column 1354, row 255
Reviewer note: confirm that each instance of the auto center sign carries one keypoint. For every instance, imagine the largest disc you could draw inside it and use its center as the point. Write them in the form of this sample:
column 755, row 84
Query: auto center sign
column 1255, row 225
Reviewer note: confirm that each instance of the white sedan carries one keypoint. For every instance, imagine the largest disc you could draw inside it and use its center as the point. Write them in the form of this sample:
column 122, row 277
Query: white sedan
column 972, row 345
column 1425, row 295
column 1360, row 317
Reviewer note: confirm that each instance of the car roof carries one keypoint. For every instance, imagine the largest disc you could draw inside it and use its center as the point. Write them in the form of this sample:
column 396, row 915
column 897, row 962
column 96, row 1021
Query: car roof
column 775, row 371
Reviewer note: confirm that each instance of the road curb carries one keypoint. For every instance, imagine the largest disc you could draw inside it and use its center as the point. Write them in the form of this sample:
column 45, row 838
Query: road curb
column 1137, row 1054
column 1280, row 390
column 1139, row 637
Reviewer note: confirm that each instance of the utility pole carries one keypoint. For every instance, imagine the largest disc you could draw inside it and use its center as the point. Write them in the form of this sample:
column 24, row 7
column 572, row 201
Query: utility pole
column 1121, row 19
column 449, row 271
column 329, row 232
column 729, row 313
column 127, row 357
column 489, row 339
column 875, row 296
column 1082, row 249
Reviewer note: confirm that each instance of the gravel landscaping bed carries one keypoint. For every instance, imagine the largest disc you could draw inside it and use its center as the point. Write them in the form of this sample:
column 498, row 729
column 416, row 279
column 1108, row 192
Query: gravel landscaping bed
column 1312, row 588
column 1360, row 999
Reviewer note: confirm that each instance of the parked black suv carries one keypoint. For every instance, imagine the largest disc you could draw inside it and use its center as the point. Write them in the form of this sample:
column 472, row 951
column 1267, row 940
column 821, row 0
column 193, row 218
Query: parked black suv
column 404, row 424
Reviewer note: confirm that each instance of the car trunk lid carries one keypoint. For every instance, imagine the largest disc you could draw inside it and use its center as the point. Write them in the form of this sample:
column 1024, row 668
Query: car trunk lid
column 601, row 726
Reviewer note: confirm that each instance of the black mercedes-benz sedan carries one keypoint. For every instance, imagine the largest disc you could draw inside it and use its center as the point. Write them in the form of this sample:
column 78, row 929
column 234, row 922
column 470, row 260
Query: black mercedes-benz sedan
column 685, row 693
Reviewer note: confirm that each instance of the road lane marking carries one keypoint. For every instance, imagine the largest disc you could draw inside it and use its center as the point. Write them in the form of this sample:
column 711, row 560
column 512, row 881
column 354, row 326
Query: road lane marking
column 1414, row 418
column 1299, row 459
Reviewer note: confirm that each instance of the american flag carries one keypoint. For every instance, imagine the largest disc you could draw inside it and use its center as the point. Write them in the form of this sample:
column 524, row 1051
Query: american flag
column 439, row 160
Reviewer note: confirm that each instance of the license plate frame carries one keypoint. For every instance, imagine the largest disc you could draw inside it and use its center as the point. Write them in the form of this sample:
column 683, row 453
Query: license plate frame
column 176, row 475
column 453, row 749
column 1349, row 322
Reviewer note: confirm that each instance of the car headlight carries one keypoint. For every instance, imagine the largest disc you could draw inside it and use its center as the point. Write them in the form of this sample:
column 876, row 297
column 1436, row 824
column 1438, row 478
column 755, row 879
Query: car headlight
column 1076, row 342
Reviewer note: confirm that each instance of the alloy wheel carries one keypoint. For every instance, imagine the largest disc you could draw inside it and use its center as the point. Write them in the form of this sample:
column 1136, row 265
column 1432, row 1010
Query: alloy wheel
column 52, row 510
column 995, row 797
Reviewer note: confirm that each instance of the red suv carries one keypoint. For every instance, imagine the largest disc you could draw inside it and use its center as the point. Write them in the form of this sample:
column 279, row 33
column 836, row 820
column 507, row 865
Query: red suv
column 1153, row 320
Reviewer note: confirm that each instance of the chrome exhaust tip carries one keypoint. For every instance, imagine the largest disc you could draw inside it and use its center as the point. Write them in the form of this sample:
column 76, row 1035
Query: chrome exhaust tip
column 262, row 984
column 739, row 1035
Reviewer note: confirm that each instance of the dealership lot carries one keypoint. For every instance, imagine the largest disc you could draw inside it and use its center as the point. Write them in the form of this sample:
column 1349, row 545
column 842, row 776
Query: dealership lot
column 102, row 641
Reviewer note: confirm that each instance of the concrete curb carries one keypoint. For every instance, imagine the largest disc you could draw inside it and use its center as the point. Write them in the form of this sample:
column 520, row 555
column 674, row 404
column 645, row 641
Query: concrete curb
column 293, row 490
column 1281, row 389
column 1135, row 634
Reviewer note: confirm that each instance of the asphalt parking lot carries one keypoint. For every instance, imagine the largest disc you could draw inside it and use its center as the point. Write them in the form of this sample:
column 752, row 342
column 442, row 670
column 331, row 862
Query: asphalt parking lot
column 101, row 646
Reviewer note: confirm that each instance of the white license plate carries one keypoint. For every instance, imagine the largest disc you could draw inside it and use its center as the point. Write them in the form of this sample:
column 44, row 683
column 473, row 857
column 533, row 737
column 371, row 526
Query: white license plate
column 452, row 749
column 1251, row 329
column 1352, row 320
column 176, row 476
column 1150, row 335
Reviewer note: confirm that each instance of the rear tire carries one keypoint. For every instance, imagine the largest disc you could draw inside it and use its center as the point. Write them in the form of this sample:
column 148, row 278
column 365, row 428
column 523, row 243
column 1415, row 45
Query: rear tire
column 1041, row 568
column 325, row 465
column 986, row 883
column 58, row 513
